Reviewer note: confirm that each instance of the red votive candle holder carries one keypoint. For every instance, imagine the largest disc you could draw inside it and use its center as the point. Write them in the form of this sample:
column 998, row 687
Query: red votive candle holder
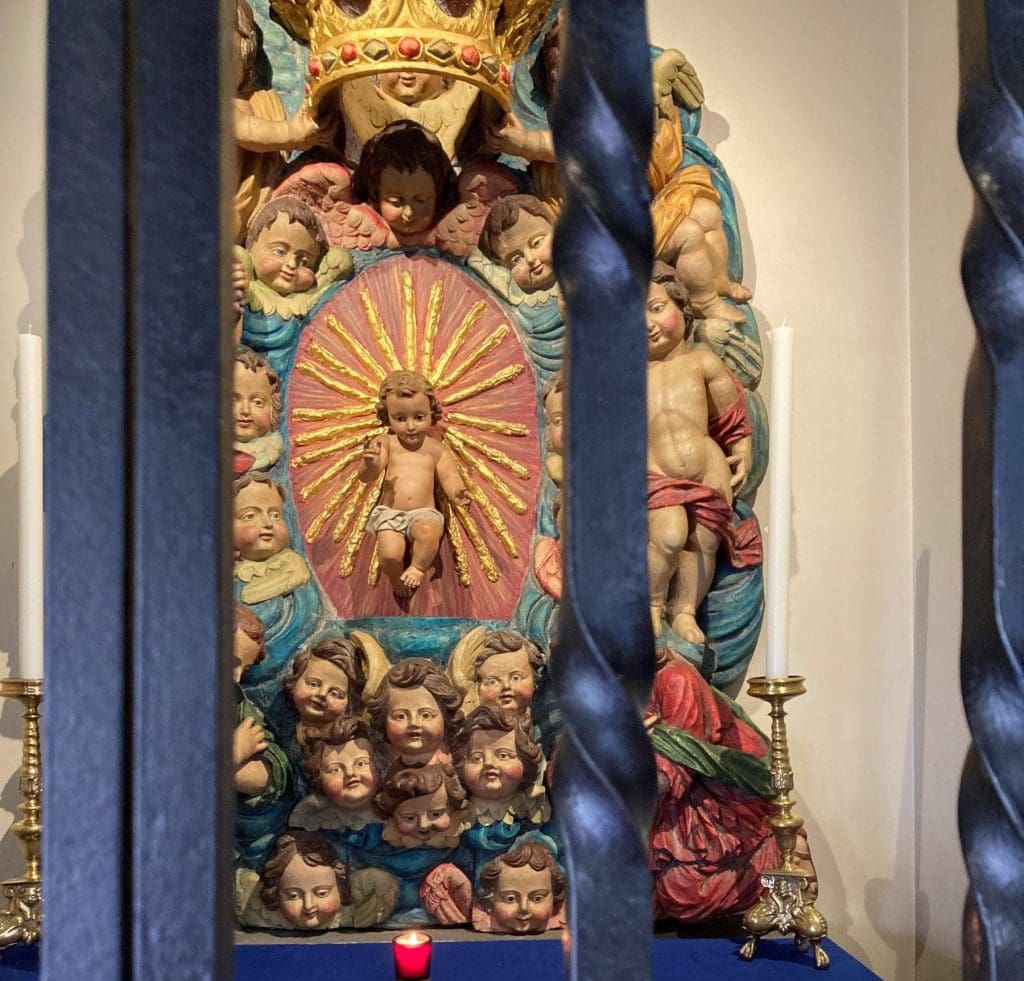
column 412, row 956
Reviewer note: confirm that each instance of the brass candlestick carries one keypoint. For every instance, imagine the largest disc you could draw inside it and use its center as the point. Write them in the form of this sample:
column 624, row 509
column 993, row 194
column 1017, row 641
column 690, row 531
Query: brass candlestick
column 784, row 907
column 21, row 921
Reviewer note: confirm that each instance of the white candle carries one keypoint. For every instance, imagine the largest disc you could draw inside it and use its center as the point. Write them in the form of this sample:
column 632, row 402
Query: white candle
column 780, row 419
column 30, row 499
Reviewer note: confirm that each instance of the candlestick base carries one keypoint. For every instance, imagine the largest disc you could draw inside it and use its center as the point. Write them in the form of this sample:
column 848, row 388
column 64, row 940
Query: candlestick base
column 21, row 921
column 785, row 907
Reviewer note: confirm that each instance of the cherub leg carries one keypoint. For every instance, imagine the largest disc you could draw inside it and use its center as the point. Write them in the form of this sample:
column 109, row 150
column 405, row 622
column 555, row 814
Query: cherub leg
column 667, row 532
column 693, row 578
column 692, row 259
column 391, row 549
column 708, row 215
column 426, row 539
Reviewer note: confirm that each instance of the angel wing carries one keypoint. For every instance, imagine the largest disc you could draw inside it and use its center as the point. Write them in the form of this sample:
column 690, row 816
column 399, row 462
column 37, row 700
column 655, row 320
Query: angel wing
column 296, row 15
column 460, row 666
column 458, row 231
column 675, row 83
column 375, row 661
column 523, row 21
column 486, row 181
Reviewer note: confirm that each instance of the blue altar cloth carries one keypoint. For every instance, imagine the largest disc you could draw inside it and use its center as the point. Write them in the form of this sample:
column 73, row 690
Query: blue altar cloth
column 502, row 960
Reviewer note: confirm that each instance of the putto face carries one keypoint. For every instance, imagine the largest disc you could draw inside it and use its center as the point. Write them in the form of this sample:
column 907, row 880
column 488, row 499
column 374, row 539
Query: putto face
column 285, row 255
column 308, row 894
column 410, row 88
column 525, row 250
column 259, row 528
column 554, row 417
column 253, row 404
column 409, row 418
column 666, row 327
column 321, row 692
column 524, row 900
column 423, row 817
column 407, row 200
column 506, row 681
column 415, row 725
column 493, row 769
column 348, row 776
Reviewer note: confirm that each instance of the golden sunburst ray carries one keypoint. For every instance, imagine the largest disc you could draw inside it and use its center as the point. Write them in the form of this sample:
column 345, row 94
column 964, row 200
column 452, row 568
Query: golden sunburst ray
column 490, row 512
column 478, row 543
column 377, row 330
column 492, row 453
column 434, row 305
column 488, row 425
column 362, row 355
column 458, row 339
column 330, row 473
column 481, row 351
column 373, row 576
column 458, row 545
column 512, row 499
column 329, row 432
column 409, row 320
column 348, row 559
column 344, row 523
column 345, row 412
column 329, row 360
column 305, row 459
column 317, row 524
column 502, row 377
column 310, row 370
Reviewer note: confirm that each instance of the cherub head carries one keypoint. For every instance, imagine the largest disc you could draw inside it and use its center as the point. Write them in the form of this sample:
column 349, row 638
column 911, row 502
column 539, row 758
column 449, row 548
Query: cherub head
column 523, row 889
column 424, row 803
column 406, row 175
column 552, row 398
column 259, row 528
column 286, row 242
column 517, row 234
column 305, row 880
column 669, row 312
column 344, row 761
column 326, row 681
column 411, row 88
column 248, row 648
column 506, row 671
column 256, row 396
column 407, row 405
column 416, row 707
column 495, row 755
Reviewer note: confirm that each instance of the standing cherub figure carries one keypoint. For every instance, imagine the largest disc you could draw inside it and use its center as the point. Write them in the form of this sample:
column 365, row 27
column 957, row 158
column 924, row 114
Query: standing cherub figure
column 698, row 456
column 411, row 461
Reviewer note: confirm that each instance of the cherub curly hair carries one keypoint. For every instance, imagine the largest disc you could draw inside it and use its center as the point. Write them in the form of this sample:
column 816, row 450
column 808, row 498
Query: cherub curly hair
column 666, row 276
column 257, row 477
column 314, row 851
column 296, row 210
column 504, row 642
column 249, row 359
column 342, row 654
column 504, row 214
column 252, row 626
column 403, row 782
column 417, row 672
column 406, row 384
column 341, row 731
column 489, row 719
column 533, row 853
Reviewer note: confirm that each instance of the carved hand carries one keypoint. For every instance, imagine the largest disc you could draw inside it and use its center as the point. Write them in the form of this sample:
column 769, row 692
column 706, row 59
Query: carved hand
column 249, row 739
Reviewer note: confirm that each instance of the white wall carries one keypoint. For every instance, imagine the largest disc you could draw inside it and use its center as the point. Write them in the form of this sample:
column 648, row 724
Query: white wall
column 22, row 285
column 845, row 199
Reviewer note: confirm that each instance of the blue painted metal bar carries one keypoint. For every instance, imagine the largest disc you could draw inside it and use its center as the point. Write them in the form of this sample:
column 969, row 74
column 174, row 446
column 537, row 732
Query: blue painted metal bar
column 603, row 664
column 991, row 132
column 85, row 867
column 180, row 803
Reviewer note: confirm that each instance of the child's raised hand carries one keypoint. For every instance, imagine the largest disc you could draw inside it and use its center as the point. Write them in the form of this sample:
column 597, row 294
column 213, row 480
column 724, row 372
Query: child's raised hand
column 249, row 739
column 372, row 450
column 307, row 131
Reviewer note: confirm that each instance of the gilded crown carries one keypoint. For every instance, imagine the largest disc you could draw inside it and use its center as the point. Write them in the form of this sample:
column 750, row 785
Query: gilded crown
column 471, row 40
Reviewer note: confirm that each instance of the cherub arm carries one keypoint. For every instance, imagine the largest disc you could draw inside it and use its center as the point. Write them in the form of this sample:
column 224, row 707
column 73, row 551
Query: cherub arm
column 302, row 132
column 252, row 779
column 450, row 480
column 375, row 459
column 726, row 400
column 513, row 138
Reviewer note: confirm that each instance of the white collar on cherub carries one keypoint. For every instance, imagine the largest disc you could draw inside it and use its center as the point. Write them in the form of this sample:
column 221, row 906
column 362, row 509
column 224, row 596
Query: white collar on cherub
column 248, row 569
column 336, row 263
column 317, row 813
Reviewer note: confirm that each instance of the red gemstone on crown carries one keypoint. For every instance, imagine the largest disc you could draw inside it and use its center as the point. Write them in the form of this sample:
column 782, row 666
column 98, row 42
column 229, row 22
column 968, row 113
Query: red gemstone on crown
column 409, row 47
column 349, row 52
column 314, row 67
column 506, row 75
column 470, row 56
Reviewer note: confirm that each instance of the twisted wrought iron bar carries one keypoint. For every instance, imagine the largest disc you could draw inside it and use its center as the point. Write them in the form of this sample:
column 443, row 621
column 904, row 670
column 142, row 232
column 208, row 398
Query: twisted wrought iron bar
column 604, row 778
column 991, row 133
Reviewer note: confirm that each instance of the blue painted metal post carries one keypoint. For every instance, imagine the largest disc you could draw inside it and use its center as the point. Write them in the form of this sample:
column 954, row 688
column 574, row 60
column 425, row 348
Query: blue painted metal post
column 603, row 664
column 991, row 135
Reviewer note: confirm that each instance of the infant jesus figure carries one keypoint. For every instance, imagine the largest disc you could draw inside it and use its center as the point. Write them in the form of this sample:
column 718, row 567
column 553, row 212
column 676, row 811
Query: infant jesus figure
column 411, row 461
